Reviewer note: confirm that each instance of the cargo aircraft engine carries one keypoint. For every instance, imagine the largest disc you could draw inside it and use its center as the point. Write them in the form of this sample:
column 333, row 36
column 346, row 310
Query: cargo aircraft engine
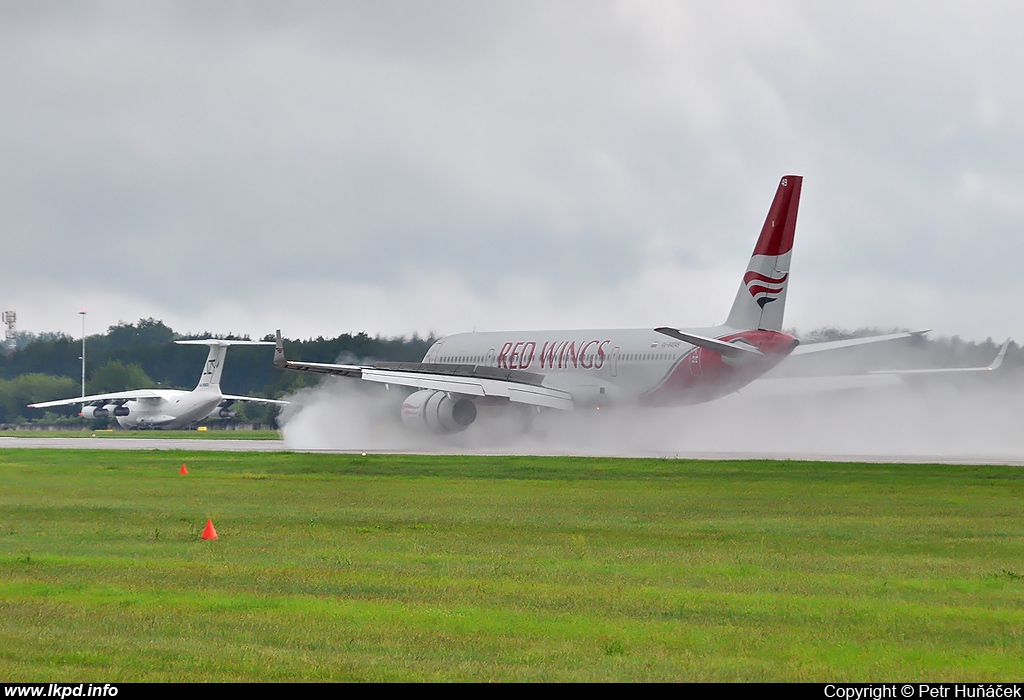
column 438, row 412
column 122, row 411
column 95, row 412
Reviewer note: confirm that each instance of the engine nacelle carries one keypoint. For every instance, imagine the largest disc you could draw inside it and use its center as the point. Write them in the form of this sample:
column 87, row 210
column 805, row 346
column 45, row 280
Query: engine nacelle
column 222, row 413
column 122, row 411
column 94, row 412
column 436, row 412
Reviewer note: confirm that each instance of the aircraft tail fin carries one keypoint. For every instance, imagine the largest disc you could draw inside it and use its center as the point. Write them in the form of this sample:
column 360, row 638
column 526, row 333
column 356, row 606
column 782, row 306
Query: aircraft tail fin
column 761, row 299
column 214, row 366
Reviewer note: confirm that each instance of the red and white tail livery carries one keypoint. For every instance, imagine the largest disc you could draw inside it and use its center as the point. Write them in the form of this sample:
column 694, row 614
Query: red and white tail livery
column 761, row 299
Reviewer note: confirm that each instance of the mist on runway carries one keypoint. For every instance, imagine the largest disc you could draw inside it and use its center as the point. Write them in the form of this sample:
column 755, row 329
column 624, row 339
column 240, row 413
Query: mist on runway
column 938, row 418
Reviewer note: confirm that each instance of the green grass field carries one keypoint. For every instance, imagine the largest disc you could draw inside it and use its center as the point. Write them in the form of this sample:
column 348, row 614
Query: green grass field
column 408, row 568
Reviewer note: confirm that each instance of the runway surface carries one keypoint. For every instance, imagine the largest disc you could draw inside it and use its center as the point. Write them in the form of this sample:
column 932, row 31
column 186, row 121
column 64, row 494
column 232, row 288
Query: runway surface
column 195, row 445
column 109, row 443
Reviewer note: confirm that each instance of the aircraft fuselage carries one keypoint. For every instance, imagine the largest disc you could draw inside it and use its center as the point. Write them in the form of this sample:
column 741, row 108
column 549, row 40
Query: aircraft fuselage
column 620, row 365
column 168, row 409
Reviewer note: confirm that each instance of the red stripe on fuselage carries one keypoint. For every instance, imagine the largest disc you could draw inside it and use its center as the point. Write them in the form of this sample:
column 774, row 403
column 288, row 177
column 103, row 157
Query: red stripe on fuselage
column 703, row 375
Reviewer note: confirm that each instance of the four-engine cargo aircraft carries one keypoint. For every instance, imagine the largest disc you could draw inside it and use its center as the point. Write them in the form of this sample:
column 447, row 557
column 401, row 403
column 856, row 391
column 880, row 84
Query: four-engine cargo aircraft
column 169, row 408
column 595, row 368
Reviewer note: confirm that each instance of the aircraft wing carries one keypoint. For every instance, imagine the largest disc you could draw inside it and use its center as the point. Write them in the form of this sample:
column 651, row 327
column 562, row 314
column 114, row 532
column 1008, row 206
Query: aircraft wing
column 949, row 370
column 133, row 395
column 469, row 380
column 254, row 399
column 851, row 342
column 772, row 386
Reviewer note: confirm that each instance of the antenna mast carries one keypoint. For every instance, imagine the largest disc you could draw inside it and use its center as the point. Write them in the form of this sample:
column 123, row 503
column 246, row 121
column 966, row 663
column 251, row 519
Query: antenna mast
column 11, row 335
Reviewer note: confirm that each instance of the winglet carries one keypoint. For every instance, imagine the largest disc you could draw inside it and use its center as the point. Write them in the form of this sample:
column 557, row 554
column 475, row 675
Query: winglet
column 999, row 358
column 279, row 360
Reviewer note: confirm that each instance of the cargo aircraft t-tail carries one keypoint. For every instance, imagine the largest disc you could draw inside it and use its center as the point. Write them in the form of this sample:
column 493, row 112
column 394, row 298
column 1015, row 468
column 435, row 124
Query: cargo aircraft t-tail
column 169, row 408
column 576, row 369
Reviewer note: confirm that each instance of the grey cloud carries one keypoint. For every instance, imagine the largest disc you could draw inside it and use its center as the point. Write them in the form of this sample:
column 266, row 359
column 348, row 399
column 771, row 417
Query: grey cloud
column 568, row 143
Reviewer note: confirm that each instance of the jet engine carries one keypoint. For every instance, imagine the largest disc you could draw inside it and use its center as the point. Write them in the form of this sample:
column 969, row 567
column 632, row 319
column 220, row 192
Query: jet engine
column 438, row 412
column 95, row 412
column 221, row 412
column 122, row 411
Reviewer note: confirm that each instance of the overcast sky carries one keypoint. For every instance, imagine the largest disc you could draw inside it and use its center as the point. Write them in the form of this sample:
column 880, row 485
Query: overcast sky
column 400, row 167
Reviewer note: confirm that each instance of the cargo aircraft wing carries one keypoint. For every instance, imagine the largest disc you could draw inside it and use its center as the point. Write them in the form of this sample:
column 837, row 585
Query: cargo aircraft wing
column 115, row 397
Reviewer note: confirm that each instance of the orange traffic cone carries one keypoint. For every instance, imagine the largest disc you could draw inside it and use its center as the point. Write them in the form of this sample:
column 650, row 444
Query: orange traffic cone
column 183, row 470
column 209, row 533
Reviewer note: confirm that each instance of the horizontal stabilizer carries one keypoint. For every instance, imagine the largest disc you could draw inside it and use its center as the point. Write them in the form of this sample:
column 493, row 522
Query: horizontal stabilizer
column 720, row 346
column 217, row 342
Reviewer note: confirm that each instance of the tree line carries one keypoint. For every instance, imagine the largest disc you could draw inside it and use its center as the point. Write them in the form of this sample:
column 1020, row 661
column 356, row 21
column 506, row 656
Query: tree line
column 143, row 355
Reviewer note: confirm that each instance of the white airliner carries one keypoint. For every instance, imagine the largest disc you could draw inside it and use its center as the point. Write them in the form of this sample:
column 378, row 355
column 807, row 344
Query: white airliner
column 169, row 408
column 576, row 369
